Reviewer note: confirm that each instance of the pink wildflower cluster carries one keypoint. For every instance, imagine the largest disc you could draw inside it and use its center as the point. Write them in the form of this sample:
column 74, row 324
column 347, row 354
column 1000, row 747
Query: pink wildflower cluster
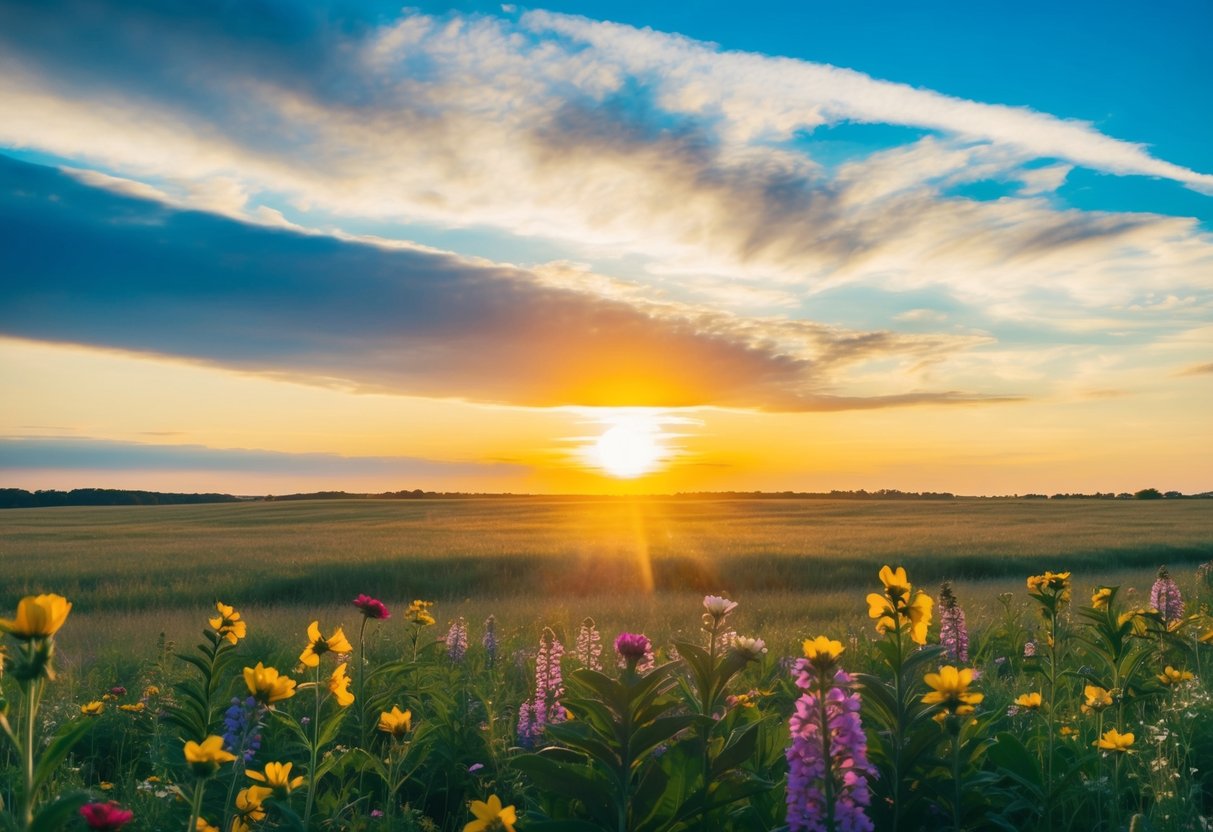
column 953, row 634
column 544, row 707
column 1166, row 598
column 830, row 759
column 457, row 640
column 589, row 645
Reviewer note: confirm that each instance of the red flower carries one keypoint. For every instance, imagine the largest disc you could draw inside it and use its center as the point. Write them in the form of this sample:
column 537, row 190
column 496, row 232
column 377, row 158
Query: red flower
column 106, row 816
column 371, row 607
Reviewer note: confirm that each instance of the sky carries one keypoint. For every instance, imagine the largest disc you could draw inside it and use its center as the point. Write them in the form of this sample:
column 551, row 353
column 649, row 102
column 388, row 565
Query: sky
column 593, row 247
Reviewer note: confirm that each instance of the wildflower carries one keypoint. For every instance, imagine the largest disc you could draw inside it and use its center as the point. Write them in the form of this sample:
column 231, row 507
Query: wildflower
column 241, row 725
column 38, row 616
column 1095, row 698
column 828, row 746
column 491, row 815
column 1029, row 701
column 953, row 634
column 277, row 776
column 750, row 649
column 457, row 640
column 117, row 690
column 249, row 802
column 1171, row 676
column 205, row 758
column 635, row 651
column 1102, row 597
column 1113, row 740
column 203, row 826
column 950, row 689
column 396, row 722
column 1050, row 587
column 1166, row 598
column 490, row 638
column 372, row 607
column 822, row 650
column 318, row 645
column 899, row 606
column 134, row 707
column 339, row 686
column 589, row 645
column 545, row 706
column 228, row 624
column 109, row 816
column 1029, row 649
column 418, row 613
column 268, row 686
column 150, row 691
column 105, row 786
column 93, row 708
column 530, row 728
column 718, row 607
column 1068, row 731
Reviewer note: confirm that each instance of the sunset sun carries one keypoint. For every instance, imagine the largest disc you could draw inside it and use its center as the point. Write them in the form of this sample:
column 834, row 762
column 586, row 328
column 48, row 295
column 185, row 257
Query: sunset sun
column 628, row 450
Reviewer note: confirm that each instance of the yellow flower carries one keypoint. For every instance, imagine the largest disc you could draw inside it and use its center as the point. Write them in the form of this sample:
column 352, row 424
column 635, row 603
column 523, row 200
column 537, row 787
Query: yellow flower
column 278, row 777
column 1096, row 699
column 134, row 708
column 491, row 815
column 1067, row 731
column 950, row 688
column 1056, row 583
column 896, row 584
column 239, row 824
column 93, row 708
column 151, row 690
column 318, row 645
column 105, row 786
column 418, row 612
column 1101, row 597
column 339, row 686
column 206, row 757
column 1171, row 676
column 248, row 802
column 822, row 648
column 38, row 616
column 228, row 624
column 881, row 610
column 1113, row 740
column 920, row 617
column 396, row 722
column 267, row 685
column 1031, row 701
column 203, row 826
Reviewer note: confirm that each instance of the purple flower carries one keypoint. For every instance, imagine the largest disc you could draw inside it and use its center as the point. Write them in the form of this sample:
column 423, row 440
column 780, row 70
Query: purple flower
column 834, row 752
column 242, row 727
column 544, row 707
column 457, row 640
column 1166, row 598
column 376, row 813
column 635, row 651
column 589, row 645
column 953, row 634
column 372, row 607
column 475, row 767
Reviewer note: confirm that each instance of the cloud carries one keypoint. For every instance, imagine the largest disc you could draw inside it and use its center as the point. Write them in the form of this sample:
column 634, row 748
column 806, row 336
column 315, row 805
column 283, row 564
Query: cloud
column 92, row 266
column 610, row 138
column 72, row 453
column 1198, row 370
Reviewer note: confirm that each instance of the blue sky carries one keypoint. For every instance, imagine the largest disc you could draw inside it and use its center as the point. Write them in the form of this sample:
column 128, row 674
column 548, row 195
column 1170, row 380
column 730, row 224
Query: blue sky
column 961, row 209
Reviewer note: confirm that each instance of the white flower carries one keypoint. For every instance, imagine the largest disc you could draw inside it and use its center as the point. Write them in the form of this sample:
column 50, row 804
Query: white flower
column 750, row 648
column 717, row 606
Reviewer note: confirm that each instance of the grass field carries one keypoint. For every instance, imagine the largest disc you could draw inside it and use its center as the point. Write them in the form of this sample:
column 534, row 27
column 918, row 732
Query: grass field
column 133, row 572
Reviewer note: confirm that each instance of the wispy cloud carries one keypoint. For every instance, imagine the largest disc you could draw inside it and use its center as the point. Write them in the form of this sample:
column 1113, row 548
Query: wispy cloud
column 90, row 266
column 611, row 138
column 23, row 453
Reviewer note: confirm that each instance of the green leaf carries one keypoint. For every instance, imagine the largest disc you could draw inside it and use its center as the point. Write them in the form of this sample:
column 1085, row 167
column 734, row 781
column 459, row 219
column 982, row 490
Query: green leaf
column 330, row 727
column 738, row 749
column 570, row 780
column 68, row 735
column 56, row 815
column 647, row 737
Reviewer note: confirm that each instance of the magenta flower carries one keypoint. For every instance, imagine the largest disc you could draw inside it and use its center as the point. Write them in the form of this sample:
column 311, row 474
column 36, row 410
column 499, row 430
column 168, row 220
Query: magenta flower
column 372, row 607
column 106, row 816
column 635, row 651
column 1166, row 598
column 544, row 707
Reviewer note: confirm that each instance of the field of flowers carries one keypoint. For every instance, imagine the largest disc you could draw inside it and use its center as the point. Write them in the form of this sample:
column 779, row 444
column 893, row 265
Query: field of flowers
column 1064, row 711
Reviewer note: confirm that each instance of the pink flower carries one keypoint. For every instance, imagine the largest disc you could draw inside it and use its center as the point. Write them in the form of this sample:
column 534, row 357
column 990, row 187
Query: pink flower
column 107, row 816
column 372, row 607
column 636, row 650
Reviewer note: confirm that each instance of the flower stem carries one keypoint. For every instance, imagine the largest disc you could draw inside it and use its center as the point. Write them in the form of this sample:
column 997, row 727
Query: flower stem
column 34, row 694
column 196, row 806
column 311, row 788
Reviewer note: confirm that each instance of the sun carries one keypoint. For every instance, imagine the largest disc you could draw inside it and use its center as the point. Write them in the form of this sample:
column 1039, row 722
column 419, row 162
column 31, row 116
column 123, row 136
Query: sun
column 628, row 450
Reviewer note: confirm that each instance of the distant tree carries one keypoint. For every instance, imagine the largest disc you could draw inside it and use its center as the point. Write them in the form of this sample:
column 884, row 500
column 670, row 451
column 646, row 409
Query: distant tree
column 1148, row 494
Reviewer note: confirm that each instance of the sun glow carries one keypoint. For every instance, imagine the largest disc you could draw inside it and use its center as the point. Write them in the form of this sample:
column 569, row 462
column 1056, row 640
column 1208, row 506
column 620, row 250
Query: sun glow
column 633, row 441
column 628, row 451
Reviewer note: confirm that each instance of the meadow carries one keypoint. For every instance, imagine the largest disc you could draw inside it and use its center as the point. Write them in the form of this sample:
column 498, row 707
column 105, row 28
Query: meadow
column 683, row 728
